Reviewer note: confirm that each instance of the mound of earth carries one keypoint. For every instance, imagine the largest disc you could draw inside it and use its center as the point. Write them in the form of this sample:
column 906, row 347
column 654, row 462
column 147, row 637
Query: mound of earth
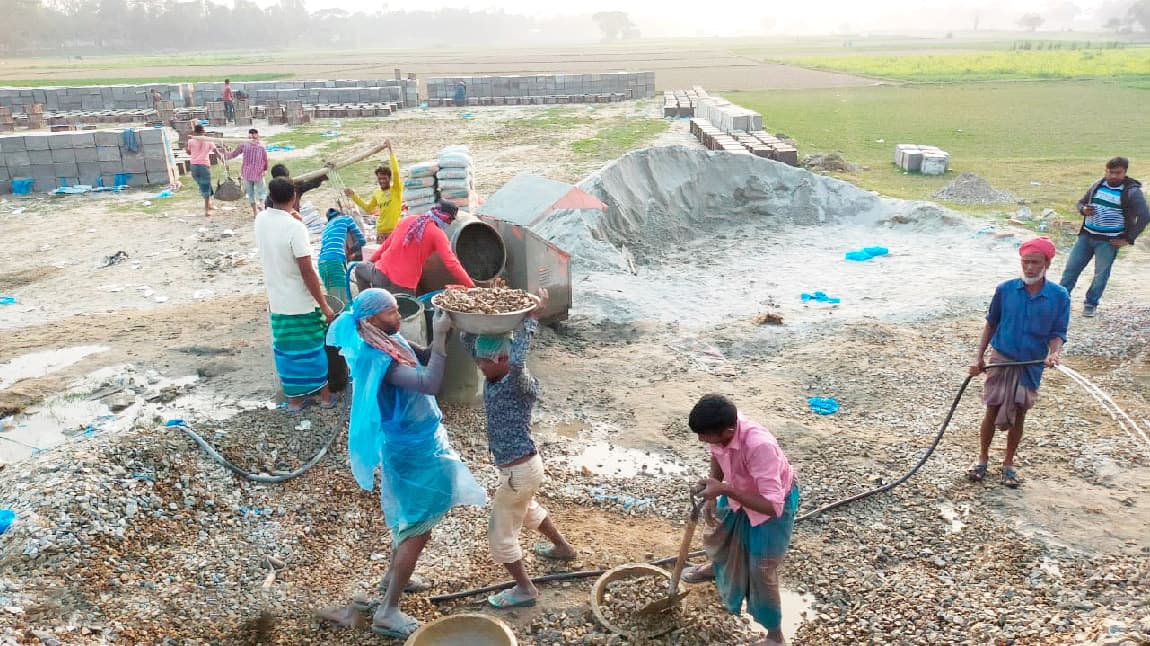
column 969, row 188
column 829, row 162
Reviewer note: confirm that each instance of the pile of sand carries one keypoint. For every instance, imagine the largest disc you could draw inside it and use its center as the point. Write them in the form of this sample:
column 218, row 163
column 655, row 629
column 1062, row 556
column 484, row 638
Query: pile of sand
column 969, row 188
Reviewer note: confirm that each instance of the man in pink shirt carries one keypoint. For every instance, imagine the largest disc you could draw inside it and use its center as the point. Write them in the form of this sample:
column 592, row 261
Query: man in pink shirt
column 201, row 152
column 752, row 497
column 253, row 169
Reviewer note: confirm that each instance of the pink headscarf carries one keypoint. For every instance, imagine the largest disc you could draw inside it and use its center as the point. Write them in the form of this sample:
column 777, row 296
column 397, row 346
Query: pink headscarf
column 1041, row 245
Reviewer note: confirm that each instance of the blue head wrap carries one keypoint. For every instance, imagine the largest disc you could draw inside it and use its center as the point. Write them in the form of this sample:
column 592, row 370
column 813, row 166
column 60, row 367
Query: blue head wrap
column 371, row 302
column 490, row 347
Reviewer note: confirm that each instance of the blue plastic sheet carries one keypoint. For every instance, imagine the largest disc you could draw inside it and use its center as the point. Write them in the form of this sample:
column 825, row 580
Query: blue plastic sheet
column 399, row 432
column 866, row 253
column 7, row 516
column 820, row 297
column 823, row 405
column 7, row 300
column 276, row 148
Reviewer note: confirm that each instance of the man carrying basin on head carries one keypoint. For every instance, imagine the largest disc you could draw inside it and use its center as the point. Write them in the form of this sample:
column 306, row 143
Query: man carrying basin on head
column 752, row 496
column 395, row 427
column 397, row 265
column 1026, row 321
column 509, row 395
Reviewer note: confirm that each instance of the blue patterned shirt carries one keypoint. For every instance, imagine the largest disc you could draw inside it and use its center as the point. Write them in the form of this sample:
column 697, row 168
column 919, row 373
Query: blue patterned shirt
column 509, row 401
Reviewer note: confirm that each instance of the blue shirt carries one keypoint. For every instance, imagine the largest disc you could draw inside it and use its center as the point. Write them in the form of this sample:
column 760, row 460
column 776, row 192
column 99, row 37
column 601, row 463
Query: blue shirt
column 508, row 402
column 1025, row 323
column 332, row 246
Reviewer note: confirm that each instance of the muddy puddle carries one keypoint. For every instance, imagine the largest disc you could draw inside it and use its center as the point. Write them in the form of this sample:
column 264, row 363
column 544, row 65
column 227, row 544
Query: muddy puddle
column 42, row 364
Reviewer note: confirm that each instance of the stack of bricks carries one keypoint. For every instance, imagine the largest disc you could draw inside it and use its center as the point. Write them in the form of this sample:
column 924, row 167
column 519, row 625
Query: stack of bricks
column 183, row 128
column 217, row 113
column 274, row 113
column 94, row 158
column 165, row 111
column 727, row 116
column 7, row 121
column 758, row 142
column 542, row 89
column 93, row 97
column 682, row 103
column 243, row 113
column 404, row 92
column 354, row 110
column 294, row 113
column 35, row 114
column 927, row 160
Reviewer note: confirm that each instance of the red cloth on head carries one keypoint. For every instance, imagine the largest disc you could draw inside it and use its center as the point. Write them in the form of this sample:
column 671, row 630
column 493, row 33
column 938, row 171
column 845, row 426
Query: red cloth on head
column 1041, row 245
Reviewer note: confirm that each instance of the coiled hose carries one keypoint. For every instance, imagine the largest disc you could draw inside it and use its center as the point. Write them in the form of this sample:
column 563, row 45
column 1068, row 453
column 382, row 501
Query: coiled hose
column 566, row 576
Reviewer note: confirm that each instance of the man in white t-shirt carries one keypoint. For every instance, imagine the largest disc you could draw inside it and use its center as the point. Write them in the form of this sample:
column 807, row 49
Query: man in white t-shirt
column 299, row 311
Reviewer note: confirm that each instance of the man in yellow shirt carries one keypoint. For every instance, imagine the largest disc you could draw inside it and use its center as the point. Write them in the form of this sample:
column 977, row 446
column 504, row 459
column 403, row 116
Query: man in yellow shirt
column 387, row 199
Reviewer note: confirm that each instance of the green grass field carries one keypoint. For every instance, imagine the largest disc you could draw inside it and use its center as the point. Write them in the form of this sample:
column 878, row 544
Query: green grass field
column 1058, row 134
column 994, row 65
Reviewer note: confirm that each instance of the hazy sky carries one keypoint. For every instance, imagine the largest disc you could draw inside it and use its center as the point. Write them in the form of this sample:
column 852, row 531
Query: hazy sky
column 747, row 16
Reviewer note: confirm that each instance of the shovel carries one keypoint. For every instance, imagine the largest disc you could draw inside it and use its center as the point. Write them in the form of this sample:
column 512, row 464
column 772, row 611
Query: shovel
column 673, row 597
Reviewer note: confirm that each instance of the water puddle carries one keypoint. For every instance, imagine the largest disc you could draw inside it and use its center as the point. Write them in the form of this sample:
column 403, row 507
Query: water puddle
column 55, row 421
column 796, row 608
column 954, row 516
column 41, row 364
column 602, row 458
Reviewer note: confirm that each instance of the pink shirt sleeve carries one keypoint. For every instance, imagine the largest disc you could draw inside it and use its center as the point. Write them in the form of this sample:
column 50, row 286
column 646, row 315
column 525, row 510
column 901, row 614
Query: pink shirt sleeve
column 765, row 466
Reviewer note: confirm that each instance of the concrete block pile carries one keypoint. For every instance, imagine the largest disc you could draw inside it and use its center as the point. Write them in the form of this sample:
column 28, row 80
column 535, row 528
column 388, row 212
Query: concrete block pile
column 87, row 98
column 927, row 160
column 727, row 116
column 7, row 120
column 94, row 158
column 758, row 143
column 682, row 103
column 542, row 89
column 404, row 92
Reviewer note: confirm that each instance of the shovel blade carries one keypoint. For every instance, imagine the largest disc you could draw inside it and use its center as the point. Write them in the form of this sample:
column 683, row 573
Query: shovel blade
column 663, row 605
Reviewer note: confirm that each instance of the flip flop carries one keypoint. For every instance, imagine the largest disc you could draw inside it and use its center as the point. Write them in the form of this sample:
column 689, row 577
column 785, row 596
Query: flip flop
column 505, row 600
column 692, row 575
column 287, row 407
column 547, row 551
column 977, row 473
column 396, row 632
column 1010, row 477
column 333, row 404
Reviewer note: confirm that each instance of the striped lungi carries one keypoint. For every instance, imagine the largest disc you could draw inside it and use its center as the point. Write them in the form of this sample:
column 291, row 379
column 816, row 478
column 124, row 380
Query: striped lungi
column 333, row 275
column 298, row 346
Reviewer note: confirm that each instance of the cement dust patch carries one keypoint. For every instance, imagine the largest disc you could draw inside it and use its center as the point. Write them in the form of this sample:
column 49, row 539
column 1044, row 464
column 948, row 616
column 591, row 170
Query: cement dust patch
column 702, row 238
column 40, row 364
column 603, row 458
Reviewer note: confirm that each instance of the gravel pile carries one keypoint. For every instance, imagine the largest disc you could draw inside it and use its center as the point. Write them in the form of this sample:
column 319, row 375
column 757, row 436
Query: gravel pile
column 969, row 188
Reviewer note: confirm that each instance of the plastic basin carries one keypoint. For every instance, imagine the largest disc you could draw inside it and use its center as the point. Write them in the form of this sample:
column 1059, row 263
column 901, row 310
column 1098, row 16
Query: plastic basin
column 464, row 630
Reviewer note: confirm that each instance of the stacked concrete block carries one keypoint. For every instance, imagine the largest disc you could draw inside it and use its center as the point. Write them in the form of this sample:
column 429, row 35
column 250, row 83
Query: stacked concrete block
column 107, row 97
column 560, row 88
column 405, row 92
column 727, row 116
column 92, row 158
column 217, row 114
column 243, row 112
column 927, row 160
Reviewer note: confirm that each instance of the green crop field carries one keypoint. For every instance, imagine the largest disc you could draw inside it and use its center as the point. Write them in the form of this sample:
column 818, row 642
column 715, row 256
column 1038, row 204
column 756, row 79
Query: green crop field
column 1057, row 134
column 993, row 65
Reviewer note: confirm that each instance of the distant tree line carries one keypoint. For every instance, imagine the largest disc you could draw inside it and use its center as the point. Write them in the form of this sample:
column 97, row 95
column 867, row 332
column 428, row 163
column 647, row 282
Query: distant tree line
column 111, row 26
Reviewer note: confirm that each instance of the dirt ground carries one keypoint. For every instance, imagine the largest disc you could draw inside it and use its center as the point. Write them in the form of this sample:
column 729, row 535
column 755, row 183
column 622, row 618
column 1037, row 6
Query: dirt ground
column 713, row 66
column 624, row 388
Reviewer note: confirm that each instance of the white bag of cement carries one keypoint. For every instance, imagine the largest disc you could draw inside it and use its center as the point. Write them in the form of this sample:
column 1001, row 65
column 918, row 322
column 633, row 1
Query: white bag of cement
column 461, row 202
column 419, row 182
column 454, row 193
column 430, row 199
column 455, row 160
column 419, row 193
column 312, row 219
column 422, row 169
column 453, row 173
column 454, row 184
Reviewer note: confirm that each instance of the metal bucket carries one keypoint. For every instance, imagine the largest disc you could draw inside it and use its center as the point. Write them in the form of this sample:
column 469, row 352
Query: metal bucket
column 478, row 246
column 412, row 324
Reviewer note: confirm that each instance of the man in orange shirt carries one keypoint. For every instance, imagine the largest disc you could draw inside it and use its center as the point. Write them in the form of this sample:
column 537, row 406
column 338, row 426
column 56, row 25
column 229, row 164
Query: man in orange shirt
column 397, row 265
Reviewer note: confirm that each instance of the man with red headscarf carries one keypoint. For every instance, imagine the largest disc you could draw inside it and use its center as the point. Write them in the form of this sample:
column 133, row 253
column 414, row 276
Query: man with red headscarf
column 1026, row 321
column 398, row 264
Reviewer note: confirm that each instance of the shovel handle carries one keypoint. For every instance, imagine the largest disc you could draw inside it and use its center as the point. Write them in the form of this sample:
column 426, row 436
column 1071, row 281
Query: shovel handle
column 684, row 547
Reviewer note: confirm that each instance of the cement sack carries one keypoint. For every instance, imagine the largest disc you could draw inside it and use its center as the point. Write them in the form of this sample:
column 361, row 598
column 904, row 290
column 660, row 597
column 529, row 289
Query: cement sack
column 461, row 202
column 422, row 169
column 455, row 184
column 453, row 173
column 456, row 148
column 454, row 193
column 455, row 160
column 419, row 182
column 419, row 193
column 420, row 201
